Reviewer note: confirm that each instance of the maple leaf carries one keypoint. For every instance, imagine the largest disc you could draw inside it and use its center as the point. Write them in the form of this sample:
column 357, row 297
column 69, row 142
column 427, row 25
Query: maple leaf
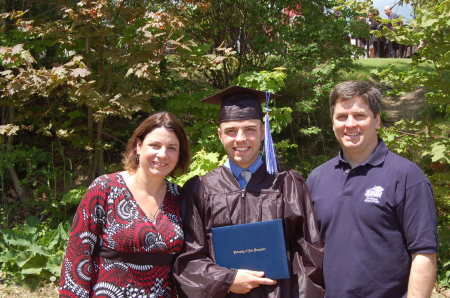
column 80, row 72
column 129, row 72
column 60, row 70
column 17, row 49
column 8, row 74
column 8, row 129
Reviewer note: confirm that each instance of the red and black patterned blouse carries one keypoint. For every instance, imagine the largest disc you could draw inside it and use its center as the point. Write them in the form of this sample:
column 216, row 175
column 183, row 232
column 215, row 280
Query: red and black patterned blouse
column 109, row 216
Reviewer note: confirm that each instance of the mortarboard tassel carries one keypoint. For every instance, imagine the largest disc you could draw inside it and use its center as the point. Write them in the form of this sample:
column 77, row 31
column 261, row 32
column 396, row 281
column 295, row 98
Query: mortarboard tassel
column 271, row 159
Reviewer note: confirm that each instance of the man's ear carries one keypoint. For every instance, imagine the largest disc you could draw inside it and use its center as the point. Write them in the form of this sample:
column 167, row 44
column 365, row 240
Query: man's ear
column 378, row 121
column 219, row 134
column 263, row 130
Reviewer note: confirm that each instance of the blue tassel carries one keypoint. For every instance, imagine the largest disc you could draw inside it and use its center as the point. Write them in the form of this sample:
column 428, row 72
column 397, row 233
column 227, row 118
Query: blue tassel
column 271, row 159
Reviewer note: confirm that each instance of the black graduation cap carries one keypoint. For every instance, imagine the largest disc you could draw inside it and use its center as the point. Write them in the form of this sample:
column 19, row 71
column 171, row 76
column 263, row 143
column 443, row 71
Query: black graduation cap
column 239, row 103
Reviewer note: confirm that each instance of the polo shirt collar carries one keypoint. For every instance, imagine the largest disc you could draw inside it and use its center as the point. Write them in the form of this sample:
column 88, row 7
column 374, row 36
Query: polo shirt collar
column 375, row 159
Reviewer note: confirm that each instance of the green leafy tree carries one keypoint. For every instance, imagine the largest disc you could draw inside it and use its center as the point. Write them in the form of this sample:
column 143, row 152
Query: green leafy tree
column 66, row 74
column 305, row 39
column 77, row 76
column 426, row 141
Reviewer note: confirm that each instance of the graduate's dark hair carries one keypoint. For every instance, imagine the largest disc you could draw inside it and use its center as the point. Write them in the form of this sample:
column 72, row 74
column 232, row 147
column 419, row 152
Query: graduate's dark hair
column 161, row 119
column 350, row 89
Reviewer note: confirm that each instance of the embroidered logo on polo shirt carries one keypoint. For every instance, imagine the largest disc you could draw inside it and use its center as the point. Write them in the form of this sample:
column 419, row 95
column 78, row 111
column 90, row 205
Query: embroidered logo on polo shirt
column 373, row 194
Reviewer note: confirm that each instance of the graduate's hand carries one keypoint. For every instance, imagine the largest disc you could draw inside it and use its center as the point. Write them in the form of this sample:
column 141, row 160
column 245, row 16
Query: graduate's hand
column 246, row 280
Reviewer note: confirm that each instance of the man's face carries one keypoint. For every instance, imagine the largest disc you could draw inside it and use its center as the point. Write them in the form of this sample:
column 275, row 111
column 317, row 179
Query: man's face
column 242, row 140
column 387, row 11
column 355, row 126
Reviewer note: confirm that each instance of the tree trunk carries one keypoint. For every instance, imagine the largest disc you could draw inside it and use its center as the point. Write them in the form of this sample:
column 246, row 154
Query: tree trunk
column 90, row 133
column 92, row 162
column 94, row 159
column 20, row 191
column 99, row 141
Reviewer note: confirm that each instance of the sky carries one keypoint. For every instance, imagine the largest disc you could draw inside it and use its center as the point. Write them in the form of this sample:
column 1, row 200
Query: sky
column 405, row 10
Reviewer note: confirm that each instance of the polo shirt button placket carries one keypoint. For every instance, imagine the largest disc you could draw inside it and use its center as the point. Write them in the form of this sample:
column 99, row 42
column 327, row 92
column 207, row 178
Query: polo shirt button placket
column 347, row 180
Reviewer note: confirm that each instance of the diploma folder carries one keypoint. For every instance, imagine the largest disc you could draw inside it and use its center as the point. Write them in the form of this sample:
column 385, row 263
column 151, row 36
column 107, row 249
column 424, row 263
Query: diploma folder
column 255, row 246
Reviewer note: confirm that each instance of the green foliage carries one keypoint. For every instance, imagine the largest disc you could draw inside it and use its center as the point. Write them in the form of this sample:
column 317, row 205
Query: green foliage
column 102, row 58
column 280, row 118
column 370, row 69
column 271, row 81
column 197, row 116
column 73, row 196
column 204, row 133
column 202, row 163
column 440, row 181
column 319, row 53
column 424, row 142
column 429, row 32
column 32, row 251
column 313, row 130
column 420, row 141
column 38, row 172
column 198, row 119
column 76, row 82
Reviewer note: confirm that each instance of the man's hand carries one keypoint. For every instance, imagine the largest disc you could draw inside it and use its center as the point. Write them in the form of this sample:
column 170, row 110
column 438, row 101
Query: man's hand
column 247, row 280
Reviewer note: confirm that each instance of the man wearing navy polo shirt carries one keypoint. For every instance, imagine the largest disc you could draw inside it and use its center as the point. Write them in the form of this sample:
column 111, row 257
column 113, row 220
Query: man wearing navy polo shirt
column 374, row 208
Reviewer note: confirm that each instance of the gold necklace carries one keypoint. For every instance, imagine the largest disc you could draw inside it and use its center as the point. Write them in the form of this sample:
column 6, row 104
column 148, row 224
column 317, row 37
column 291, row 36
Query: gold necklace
column 159, row 207
column 154, row 214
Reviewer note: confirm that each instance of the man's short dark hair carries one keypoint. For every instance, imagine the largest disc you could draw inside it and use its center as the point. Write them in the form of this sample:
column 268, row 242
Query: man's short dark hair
column 350, row 89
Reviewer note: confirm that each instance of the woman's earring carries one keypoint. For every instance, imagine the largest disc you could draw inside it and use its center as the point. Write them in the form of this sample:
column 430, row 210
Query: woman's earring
column 137, row 159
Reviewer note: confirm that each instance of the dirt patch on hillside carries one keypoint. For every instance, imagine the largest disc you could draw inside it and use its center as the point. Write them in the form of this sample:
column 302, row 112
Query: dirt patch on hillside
column 18, row 291
column 406, row 106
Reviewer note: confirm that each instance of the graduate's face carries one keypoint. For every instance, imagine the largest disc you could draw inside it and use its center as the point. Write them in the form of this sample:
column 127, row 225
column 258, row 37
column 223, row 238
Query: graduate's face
column 242, row 140
column 158, row 152
column 355, row 126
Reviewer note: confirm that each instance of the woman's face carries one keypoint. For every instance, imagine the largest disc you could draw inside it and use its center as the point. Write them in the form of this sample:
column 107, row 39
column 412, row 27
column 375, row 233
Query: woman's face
column 158, row 152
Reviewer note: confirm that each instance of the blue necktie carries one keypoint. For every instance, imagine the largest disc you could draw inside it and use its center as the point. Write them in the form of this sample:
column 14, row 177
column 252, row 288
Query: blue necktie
column 246, row 175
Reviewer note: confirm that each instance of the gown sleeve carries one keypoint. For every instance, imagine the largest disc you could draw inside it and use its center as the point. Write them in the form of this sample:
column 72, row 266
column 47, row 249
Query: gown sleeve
column 196, row 273
column 303, row 237
column 77, row 265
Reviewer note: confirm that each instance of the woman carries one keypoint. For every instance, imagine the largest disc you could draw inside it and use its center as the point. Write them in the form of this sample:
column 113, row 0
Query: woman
column 127, row 228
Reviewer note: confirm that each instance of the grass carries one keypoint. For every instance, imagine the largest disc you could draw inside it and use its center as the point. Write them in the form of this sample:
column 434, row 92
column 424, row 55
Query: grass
column 365, row 67
column 51, row 290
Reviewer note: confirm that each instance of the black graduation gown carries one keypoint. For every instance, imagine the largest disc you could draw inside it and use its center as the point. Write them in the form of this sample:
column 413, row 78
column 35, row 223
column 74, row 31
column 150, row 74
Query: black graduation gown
column 216, row 200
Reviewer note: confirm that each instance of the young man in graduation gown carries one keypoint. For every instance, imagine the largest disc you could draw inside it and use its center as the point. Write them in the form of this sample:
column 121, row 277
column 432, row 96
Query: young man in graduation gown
column 223, row 197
